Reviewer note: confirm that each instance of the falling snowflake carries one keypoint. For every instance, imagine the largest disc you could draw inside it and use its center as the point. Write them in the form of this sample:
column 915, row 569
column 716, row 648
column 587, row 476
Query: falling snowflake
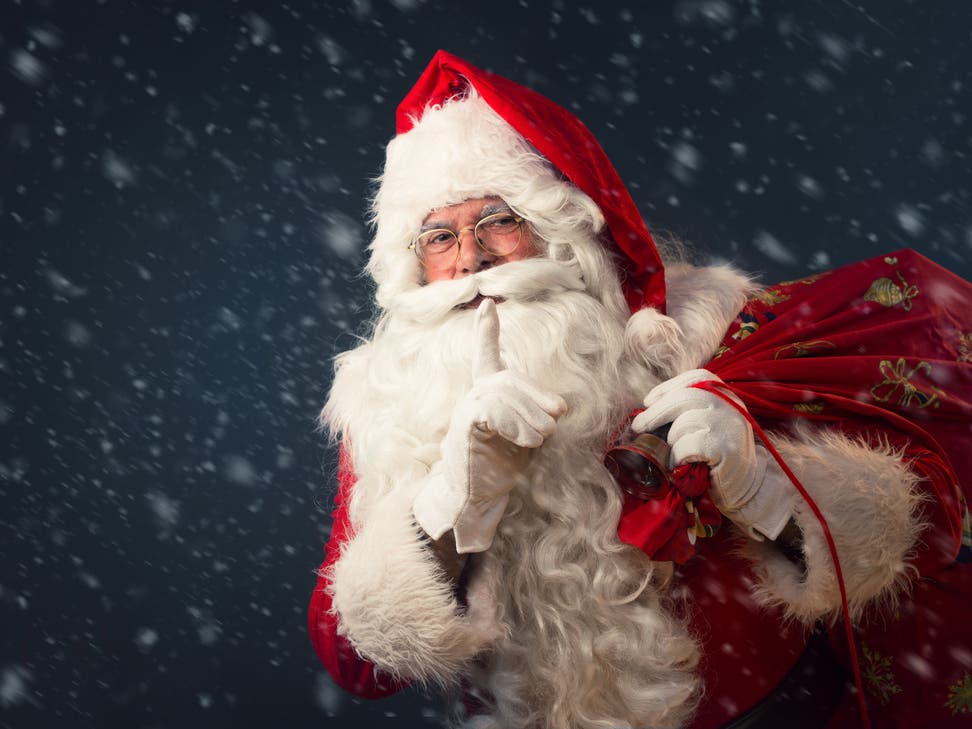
column 960, row 696
column 879, row 677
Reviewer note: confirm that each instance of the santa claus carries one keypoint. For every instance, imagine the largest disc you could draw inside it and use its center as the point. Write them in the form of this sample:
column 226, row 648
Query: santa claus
column 524, row 313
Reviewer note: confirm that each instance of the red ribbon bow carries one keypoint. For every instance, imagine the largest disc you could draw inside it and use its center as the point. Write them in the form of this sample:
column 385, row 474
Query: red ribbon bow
column 666, row 526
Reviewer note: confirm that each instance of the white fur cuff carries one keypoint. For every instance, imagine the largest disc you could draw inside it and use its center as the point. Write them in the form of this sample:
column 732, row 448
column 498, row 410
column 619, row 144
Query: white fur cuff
column 394, row 602
column 870, row 502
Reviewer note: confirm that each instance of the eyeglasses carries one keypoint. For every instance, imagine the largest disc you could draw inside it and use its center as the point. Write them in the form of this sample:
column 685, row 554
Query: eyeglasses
column 498, row 234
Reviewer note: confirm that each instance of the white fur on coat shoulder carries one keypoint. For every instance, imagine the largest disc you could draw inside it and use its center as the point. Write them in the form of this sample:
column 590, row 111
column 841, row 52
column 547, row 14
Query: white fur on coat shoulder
column 701, row 303
column 396, row 606
column 870, row 501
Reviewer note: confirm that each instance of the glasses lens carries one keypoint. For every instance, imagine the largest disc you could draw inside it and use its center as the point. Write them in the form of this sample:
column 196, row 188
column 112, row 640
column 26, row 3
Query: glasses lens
column 436, row 248
column 499, row 234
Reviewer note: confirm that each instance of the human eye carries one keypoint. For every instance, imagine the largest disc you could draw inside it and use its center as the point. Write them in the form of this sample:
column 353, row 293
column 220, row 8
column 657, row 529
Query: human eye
column 436, row 241
column 500, row 223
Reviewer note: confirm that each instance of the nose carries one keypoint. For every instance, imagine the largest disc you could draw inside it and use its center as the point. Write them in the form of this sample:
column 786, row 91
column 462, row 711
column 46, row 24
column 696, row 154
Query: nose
column 472, row 258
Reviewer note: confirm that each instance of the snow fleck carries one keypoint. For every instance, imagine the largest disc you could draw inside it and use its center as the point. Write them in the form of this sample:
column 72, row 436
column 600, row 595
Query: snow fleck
column 818, row 81
column 207, row 628
column 739, row 149
column 165, row 510
column 342, row 235
column 27, row 67
column 933, row 153
column 772, row 248
column 62, row 285
column 285, row 455
column 239, row 470
column 116, row 169
column 229, row 319
column 205, row 700
column 723, row 81
column 186, row 22
column 361, row 9
column 48, row 36
column 918, row 665
column 809, row 187
column 837, row 49
column 331, row 50
column 820, row 261
column 260, row 30
column 686, row 161
column 406, row 5
column 6, row 412
column 687, row 155
column 208, row 633
column 15, row 686
column 718, row 13
column 327, row 695
column 89, row 580
column 146, row 638
column 77, row 334
column 589, row 15
column 910, row 219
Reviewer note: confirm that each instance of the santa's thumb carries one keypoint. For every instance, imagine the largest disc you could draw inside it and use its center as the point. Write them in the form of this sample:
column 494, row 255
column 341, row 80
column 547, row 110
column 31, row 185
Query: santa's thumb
column 486, row 355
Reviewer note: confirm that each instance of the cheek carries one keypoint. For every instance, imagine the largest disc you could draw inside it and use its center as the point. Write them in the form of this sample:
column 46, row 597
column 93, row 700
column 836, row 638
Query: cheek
column 431, row 276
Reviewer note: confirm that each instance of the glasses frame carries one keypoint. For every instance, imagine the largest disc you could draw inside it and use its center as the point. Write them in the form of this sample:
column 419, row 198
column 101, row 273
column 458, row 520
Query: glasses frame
column 457, row 234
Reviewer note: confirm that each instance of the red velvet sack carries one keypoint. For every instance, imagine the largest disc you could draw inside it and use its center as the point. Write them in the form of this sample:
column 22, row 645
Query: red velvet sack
column 883, row 347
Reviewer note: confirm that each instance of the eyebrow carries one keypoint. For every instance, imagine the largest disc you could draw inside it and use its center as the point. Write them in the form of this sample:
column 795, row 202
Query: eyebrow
column 488, row 209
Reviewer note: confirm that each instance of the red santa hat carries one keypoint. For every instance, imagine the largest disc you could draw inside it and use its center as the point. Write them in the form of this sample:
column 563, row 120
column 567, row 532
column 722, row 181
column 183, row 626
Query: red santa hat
column 463, row 133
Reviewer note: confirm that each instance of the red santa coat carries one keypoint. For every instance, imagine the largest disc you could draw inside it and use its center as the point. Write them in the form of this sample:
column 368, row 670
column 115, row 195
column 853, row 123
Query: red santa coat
column 916, row 664
column 746, row 649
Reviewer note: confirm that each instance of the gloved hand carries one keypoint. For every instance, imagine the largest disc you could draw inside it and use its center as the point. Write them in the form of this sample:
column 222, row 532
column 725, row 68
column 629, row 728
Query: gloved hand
column 748, row 486
column 490, row 437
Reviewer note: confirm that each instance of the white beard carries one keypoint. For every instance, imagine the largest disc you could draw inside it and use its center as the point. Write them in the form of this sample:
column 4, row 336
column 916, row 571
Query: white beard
column 585, row 627
column 393, row 396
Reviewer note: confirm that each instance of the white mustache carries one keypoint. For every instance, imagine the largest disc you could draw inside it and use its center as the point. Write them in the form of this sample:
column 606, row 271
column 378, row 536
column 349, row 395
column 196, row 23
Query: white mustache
column 528, row 280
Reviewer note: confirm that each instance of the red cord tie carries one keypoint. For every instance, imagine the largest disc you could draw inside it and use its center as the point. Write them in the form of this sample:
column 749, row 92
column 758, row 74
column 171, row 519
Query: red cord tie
column 717, row 389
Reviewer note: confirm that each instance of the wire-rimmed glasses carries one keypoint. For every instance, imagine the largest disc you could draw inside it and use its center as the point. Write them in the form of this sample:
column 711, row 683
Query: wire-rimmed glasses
column 498, row 234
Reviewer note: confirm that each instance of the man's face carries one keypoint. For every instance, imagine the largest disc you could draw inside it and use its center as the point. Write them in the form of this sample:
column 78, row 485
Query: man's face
column 472, row 258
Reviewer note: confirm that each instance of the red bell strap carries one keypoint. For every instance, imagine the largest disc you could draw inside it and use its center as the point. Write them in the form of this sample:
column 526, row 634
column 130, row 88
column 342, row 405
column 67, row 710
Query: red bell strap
column 663, row 512
column 717, row 389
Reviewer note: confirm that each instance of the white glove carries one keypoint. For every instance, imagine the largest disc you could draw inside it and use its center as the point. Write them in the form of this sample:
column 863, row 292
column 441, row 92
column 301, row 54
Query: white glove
column 748, row 486
column 487, row 445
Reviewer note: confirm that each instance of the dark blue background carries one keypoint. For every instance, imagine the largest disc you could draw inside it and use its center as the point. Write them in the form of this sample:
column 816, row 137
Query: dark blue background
column 181, row 231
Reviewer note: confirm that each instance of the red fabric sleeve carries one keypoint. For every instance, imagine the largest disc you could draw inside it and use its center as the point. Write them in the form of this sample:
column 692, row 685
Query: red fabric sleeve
column 348, row 669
